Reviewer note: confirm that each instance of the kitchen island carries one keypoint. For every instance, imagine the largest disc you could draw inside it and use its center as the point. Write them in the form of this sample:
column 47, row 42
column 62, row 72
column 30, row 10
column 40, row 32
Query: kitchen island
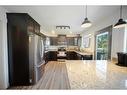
column 96, row 74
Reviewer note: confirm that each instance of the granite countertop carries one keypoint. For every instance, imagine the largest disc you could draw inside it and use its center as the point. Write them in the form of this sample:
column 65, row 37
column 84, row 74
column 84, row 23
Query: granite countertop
column 79, row 52
column 50, row 50
column 83, row 53
column 96, row 74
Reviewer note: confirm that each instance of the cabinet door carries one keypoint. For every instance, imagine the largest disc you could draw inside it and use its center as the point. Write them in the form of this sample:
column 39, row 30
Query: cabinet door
column 46, row 56
column 30, row 27
column 53, row 41
column 79, row 41
column 71, row 55
column 52, row 56
column 36, row 28
column 70, row 41
column 75, row 41
column 79, row 57
column 18, row 55
column 68, row 55
column 87, row 57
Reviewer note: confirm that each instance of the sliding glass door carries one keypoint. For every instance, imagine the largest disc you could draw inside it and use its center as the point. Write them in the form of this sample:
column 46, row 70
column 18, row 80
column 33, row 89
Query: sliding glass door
column 103, row 44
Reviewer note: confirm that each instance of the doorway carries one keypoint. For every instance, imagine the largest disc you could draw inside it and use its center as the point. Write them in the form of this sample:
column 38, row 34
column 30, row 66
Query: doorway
column 103, row 44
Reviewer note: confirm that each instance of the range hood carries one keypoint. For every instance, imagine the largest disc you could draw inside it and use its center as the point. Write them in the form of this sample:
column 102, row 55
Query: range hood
column 62, row 40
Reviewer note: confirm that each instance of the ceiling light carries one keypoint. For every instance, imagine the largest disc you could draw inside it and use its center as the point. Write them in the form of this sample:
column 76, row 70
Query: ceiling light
column 53, row 32
column 121, row 22
column 70, row 32
column 63, row 27
column 86, row 23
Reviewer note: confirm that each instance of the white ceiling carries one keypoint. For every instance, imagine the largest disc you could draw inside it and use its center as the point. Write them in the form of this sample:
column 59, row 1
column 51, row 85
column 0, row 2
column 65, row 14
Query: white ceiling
column 50, row 16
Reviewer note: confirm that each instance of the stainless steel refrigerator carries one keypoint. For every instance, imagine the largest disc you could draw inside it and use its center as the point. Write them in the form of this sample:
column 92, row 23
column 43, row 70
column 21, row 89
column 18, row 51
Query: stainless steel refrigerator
column 36, row 58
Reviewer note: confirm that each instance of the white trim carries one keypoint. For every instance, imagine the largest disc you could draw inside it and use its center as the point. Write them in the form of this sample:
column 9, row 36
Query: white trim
column 125, row 40
column 102, row 34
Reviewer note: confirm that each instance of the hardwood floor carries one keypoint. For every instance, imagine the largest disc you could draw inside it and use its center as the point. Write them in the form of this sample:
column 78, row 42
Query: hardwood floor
column 55, row 77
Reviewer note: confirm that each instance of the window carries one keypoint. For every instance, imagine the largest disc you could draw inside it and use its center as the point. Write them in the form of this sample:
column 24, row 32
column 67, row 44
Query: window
column 86, row 41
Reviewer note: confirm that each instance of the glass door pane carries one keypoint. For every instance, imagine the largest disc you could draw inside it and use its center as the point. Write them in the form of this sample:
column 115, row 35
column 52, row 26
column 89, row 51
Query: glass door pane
column 102, row 46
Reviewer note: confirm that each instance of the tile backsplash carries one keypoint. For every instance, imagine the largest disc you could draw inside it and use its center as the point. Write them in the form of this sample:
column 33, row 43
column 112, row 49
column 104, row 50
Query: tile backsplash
column 67, row 47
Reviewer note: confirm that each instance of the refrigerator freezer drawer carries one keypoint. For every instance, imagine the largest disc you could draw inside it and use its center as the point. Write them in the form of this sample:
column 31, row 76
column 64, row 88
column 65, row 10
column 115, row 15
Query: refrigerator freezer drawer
column 39, row 72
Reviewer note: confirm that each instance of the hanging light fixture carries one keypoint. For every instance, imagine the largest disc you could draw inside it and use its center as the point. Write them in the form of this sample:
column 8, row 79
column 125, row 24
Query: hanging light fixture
column 86, row 23
column 121, row 22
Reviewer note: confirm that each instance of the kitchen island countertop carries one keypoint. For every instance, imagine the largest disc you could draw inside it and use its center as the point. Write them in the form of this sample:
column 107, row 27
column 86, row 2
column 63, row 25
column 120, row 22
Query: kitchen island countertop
column 96, row 74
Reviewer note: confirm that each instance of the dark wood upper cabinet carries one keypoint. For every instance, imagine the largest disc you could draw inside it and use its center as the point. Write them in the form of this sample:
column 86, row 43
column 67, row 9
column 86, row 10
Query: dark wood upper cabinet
column 63, row 40
column 53, row 41
column 70, row 41
column 19, row 27
column 74, row 41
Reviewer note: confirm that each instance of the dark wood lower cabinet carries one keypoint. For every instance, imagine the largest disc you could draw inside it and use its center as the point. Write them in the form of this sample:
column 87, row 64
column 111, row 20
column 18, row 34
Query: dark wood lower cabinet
column 46, row 56
column 87, row 57
column 71, row 55
column 76, row 56
column 79, row 57
column 84, row 57
column 125, row 61
column 52, row 56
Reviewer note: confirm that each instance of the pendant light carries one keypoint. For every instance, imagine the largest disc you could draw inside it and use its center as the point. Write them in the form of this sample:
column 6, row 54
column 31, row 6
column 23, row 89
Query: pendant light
column 121, row 22
column 86, row 23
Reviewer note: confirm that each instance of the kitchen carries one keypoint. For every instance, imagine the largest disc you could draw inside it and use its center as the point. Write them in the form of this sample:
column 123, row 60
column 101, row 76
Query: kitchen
column 49, row 52
column 68, row 45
